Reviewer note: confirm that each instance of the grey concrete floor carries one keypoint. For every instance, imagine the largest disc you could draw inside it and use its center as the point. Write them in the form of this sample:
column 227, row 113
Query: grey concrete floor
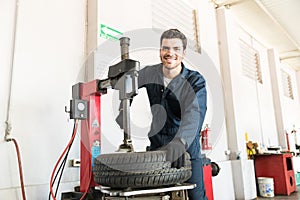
column 294, row 196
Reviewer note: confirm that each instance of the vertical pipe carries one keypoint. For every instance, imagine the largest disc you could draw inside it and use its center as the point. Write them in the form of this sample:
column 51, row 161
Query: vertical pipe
column 124, row 43
column 126, row 120
column 12, row 59
column 196, row 31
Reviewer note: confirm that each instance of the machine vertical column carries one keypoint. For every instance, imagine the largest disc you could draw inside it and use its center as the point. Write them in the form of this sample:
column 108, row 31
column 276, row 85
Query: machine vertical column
column 124, row 43
column 128, row 89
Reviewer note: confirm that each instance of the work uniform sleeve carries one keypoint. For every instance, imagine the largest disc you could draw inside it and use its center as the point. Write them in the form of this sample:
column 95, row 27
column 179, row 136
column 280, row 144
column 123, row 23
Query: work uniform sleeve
column 193, row 108
column 142, row 77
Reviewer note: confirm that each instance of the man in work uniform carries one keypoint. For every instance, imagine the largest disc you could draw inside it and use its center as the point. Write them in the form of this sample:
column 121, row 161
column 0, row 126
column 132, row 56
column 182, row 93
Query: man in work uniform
column 177, row 96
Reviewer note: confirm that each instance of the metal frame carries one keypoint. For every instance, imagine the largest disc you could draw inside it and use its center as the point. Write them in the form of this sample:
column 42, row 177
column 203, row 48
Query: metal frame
column 177, row 192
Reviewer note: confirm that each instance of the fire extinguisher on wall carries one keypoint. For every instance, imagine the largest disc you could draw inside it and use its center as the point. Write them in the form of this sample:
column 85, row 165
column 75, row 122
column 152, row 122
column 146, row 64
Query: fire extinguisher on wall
column 204, row 138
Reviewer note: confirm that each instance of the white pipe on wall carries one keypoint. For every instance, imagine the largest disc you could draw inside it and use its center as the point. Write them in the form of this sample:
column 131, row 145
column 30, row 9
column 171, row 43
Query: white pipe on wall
column 12, row 59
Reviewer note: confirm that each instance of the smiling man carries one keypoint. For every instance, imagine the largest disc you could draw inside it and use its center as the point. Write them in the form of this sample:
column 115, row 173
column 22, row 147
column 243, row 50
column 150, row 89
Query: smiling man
column 177, row 97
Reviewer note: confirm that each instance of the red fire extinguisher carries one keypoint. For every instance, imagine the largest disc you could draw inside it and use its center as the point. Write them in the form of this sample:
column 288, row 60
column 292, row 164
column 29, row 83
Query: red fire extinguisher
column 204, row 138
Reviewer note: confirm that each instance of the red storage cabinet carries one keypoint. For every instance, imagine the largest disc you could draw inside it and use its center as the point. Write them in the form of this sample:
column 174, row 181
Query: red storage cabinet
column 280, row 168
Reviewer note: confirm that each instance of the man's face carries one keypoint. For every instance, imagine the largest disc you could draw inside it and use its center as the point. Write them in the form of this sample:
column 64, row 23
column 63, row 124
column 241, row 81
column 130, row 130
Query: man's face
column 171, row 52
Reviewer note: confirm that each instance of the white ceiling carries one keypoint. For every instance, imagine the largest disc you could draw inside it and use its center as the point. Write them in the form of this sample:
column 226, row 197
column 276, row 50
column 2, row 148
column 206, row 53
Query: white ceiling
column 275, row 23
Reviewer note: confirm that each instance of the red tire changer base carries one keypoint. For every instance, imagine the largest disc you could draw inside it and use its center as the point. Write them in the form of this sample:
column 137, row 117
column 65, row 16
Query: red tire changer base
column 85, row 106
column 90, row 134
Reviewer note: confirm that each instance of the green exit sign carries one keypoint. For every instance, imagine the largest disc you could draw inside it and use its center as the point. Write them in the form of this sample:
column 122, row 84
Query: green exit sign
column 109, row 33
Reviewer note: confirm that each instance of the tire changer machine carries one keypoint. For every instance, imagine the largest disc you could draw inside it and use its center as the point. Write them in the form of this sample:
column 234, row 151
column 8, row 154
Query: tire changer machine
column 85, row 106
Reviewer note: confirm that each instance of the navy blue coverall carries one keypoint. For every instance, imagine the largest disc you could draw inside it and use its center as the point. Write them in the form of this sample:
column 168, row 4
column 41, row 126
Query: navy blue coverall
column 178, row 110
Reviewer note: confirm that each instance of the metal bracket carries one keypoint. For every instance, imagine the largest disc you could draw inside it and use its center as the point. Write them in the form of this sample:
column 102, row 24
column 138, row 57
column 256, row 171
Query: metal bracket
column 79, row 109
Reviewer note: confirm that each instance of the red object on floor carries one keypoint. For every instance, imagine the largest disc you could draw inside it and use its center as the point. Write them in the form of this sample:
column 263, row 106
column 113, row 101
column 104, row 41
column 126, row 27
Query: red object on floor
column 207, row 172
column 280, row 168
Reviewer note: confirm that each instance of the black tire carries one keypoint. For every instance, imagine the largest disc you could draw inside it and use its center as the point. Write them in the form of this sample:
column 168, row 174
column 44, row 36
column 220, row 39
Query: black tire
column 139, row 170
column 133, row 167
column 149, row 179
column 132, row 162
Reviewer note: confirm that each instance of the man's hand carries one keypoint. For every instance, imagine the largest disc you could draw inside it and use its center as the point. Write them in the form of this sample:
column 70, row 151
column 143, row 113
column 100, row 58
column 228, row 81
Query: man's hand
column 176, row 153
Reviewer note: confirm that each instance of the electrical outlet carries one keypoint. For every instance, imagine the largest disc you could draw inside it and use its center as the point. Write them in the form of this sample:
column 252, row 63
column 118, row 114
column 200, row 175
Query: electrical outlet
column 75, row 163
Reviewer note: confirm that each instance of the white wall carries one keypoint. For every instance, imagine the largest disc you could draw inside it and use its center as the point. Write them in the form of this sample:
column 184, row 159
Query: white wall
column 298, row 83
column 250, row 105
column 49, row 53
column 215, row 116
column 289, row 106
column 243, row 181
column 223, row 187
column 255, row 107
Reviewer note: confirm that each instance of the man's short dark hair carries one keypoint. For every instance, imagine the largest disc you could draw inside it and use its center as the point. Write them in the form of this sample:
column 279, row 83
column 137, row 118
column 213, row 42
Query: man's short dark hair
column 174, row 33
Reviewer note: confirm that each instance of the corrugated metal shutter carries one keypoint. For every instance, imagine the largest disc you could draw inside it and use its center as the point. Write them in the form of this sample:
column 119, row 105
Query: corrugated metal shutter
column 250, row 62
column 177, row 14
